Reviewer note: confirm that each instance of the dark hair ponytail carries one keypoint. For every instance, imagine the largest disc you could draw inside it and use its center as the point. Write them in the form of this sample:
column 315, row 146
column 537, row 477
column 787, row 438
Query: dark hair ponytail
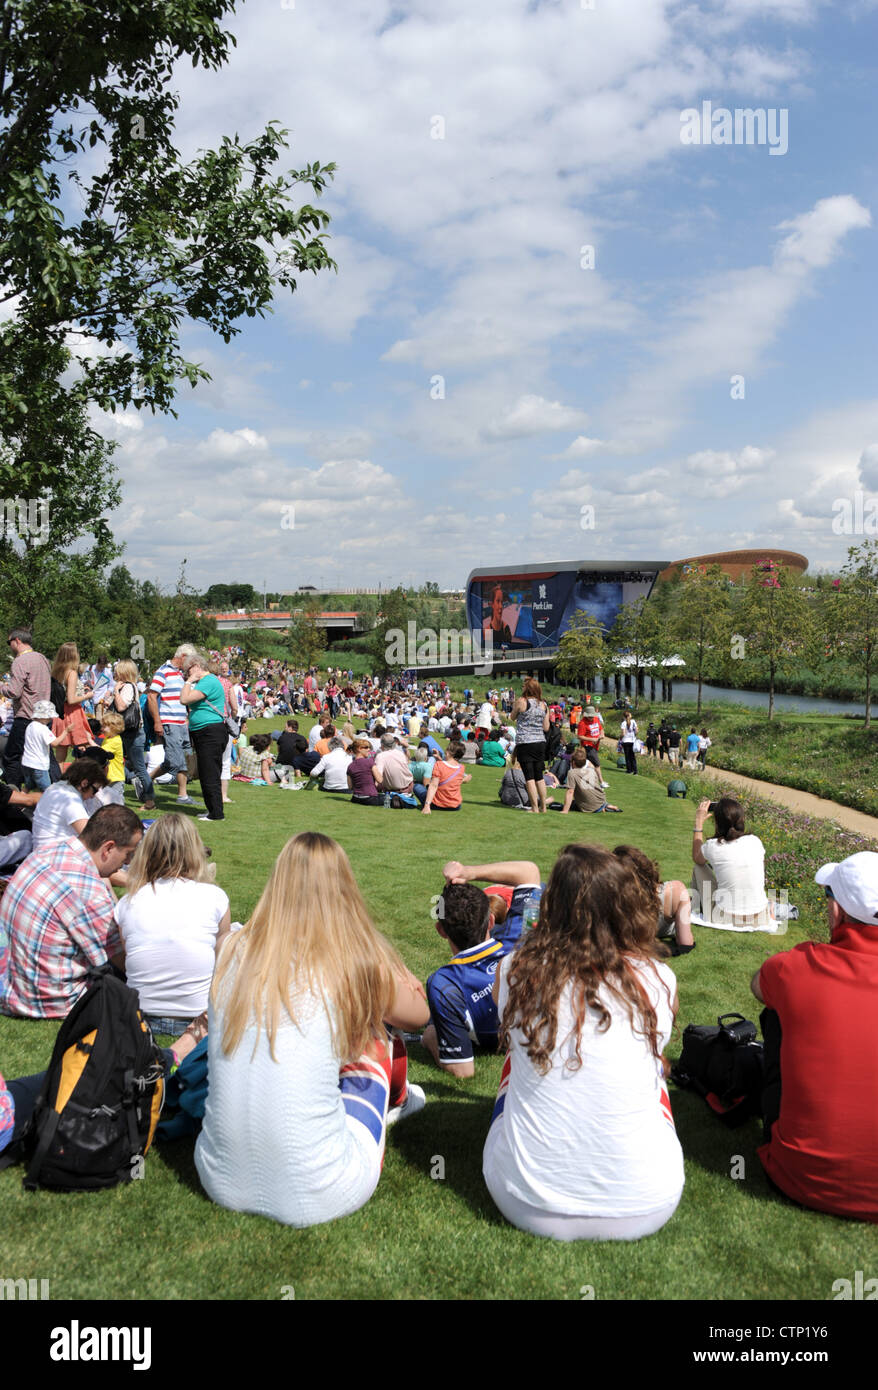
column 728, row 817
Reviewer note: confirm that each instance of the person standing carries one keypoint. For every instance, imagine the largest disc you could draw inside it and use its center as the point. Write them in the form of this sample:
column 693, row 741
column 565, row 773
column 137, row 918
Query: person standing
column 30, row 681
column 169, row 719
column 628, row 738
column 124, row 698
column 77, row 734
column 531, row 715
column 203, row 696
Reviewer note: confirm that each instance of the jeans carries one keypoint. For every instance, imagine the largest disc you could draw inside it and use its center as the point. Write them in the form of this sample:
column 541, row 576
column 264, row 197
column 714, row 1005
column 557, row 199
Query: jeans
column 36, row 780
column 133, row 745
column 210, row 744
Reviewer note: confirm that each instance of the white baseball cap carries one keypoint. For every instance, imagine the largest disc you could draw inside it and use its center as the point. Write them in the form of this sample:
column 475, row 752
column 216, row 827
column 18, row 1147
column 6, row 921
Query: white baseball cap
column 854, row 885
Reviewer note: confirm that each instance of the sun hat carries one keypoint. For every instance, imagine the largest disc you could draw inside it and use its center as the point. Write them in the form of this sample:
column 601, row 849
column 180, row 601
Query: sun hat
column 44, row 709
column 854, row 885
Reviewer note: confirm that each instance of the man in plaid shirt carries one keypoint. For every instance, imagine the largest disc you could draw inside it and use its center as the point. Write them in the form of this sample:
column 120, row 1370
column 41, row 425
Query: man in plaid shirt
column 56, row 916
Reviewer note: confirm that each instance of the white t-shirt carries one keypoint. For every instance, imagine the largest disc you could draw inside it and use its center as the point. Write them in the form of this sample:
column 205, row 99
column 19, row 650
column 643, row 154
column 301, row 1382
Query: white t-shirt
column 37, row 739
column 314, row 733
column 334, row 765
column 599, row 1141
column 739, row 869
column 170, row 933
column 275, row 1139
column 486, row 715
column 55, row 813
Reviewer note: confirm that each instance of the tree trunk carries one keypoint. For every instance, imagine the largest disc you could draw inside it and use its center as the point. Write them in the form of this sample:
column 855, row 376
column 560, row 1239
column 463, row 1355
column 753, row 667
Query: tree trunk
column 771, row 690
column 868, row 695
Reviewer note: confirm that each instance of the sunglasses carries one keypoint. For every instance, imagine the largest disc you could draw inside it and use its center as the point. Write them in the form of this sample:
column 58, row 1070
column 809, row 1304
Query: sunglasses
column 829, row 893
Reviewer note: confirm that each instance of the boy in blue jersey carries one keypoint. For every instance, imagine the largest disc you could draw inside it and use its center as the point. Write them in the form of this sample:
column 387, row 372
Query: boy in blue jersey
column 462, row 1011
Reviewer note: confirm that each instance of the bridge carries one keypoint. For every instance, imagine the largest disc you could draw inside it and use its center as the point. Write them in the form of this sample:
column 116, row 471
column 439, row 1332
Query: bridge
column 345, row 624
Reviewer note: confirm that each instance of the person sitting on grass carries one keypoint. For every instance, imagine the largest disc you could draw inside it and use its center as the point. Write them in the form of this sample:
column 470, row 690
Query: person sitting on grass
column 392, row 772
column 257, row 760
column 305, row 1076
column 61, row 812
column 333, row 767
column 493, row 752
column 728, row 875
column 361, row 780
column 674, row 924
column 463, row 1014
column 584, row 789
column 444, row 792
column 421, row 766
column 820, row 1096
column 173, row 920
column 582, row 1144
column 56, row 916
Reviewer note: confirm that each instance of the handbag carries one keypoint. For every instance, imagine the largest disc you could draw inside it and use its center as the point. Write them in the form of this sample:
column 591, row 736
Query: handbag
column 131, row 714
column 723, row 1063
column 233, row 727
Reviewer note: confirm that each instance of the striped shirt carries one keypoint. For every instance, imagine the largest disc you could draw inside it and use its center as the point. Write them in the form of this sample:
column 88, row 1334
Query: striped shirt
column 56, row 919
column 167, row 684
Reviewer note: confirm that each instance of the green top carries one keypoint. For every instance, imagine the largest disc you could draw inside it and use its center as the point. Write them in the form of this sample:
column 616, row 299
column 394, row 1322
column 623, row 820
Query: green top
column 201, row 714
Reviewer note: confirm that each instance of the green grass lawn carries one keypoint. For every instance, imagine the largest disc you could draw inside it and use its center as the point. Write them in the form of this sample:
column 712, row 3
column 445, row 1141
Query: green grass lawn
column 420, row 1236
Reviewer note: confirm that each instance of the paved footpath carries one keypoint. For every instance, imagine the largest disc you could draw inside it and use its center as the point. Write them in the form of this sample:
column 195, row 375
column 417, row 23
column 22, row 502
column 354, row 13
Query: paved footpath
column 791, row 796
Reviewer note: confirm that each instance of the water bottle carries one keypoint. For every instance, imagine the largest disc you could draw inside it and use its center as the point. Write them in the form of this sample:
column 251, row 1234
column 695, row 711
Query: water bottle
column 532, row 910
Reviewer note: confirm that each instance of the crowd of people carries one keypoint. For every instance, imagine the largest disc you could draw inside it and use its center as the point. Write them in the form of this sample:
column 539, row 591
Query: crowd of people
column 307, row 1007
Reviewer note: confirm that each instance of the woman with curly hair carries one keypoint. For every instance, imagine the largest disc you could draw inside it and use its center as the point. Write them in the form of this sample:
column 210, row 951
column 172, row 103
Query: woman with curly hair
column 582, row 1144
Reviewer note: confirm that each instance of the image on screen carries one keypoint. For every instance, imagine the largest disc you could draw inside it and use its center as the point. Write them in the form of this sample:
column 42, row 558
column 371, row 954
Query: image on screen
column 506, row 611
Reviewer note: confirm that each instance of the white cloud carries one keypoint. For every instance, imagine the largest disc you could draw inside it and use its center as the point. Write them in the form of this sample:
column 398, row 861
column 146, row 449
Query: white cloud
column 534, row 415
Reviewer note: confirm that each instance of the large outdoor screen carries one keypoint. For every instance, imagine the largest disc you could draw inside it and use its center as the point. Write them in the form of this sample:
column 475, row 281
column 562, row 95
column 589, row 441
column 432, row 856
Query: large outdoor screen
column 533, row 610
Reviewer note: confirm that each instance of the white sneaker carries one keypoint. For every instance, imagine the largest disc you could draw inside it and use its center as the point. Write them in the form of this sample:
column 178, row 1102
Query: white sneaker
column 415, row 1100
column 165, row 777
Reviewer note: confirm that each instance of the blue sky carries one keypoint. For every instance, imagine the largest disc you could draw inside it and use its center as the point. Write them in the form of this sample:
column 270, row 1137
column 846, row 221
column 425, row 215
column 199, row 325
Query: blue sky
column 460, row 258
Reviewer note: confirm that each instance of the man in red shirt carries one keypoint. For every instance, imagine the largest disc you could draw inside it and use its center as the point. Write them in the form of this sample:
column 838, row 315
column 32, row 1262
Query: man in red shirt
column 820, row 1102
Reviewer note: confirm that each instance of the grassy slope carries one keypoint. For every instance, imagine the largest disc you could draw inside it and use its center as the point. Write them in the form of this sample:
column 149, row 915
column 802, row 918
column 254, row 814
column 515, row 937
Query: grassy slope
column 419, row 1237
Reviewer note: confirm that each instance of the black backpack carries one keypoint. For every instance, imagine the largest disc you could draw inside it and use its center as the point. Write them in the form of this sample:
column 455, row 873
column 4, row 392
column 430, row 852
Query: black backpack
column 58, row 696
column 724, row 1065
column 101, row 1097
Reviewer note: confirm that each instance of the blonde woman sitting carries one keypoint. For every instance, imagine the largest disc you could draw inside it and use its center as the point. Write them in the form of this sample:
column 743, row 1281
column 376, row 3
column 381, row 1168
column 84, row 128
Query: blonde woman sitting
column 304, row 1076
column 173, row 920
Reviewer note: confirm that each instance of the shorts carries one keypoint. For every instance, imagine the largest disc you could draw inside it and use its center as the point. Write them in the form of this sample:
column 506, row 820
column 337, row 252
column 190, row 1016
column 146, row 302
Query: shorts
column 532, row 760
column 177, row 745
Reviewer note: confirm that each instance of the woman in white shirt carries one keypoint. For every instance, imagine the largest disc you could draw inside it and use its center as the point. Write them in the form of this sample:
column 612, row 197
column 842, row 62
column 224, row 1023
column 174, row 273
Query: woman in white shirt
column 728, row 878
column 628, row 739
column 173, row 921
column 302, row 1069
column 582, row 1144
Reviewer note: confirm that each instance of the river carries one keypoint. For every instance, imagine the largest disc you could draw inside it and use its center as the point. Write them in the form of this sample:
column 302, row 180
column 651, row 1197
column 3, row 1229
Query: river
column 758, row 699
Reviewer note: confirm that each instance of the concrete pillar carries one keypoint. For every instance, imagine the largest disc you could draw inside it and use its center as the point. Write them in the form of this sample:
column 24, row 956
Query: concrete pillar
column 641, row 682
column 652, row 690
column 617, row 680
column 670, row 690
column 627, row 684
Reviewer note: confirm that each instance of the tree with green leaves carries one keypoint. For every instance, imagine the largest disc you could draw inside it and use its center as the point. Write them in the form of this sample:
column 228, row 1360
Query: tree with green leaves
column 306, row 639
column 701, row 622
column 581, row 650
column 854, row 607
column 109, row 243
column 773, row 621
column 639, row 635
column 388, row 644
